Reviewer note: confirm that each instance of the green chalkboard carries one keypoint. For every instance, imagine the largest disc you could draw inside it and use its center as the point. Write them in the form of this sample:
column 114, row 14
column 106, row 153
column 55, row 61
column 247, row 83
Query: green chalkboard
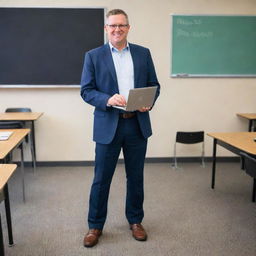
column 221, row 46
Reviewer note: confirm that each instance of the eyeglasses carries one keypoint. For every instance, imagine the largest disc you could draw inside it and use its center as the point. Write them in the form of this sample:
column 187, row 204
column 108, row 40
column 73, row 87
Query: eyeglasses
column 115, row 26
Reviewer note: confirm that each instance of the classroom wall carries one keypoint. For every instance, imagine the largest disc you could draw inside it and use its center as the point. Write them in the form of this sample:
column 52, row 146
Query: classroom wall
column 64, row 133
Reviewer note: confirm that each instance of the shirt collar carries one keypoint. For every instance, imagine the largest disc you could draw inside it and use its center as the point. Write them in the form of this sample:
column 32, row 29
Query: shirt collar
column 113, row 49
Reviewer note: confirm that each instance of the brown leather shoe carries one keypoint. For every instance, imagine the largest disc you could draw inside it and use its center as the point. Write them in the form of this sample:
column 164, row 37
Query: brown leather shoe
column 92, row 237
column 138, row 232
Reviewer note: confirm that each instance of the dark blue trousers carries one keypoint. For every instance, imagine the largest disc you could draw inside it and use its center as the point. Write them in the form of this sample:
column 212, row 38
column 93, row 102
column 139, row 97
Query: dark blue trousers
column 129, row 138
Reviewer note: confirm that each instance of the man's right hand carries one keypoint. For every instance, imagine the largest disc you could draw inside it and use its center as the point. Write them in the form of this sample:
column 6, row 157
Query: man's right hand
column 117, row 100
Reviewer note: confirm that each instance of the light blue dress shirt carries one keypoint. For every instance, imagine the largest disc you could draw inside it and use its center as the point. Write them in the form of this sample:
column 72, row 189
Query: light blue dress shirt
column 124, row 69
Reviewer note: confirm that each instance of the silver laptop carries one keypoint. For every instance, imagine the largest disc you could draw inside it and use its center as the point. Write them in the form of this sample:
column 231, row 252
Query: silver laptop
column 139, row 98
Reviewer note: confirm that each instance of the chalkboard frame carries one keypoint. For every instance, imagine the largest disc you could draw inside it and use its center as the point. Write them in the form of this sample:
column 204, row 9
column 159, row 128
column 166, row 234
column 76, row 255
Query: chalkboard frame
column 101, row 13
column 202, row 74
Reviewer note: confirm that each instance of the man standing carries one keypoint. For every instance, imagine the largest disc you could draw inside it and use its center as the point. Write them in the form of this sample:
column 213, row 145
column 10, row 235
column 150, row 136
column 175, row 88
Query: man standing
column 109, row 72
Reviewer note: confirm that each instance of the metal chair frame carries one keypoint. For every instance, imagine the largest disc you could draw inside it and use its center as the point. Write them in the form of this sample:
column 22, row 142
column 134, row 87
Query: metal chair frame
column 188, row 138
column 249, row 165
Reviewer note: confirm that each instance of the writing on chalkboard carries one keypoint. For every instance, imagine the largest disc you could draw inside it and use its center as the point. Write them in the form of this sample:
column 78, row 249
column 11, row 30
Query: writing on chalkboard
column 187, row 22
column 182, row 22
column 201, row 34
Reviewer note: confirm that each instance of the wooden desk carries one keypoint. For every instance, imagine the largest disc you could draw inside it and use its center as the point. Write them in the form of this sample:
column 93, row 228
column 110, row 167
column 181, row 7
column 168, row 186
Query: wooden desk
column 26, row 117
column 251, row 117
column 7, row 146
column 20, row 116
column 6, row 171
column 235, row 142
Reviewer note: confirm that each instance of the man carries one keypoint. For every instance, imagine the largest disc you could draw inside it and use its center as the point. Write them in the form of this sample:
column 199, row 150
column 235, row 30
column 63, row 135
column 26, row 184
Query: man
column 109, row 73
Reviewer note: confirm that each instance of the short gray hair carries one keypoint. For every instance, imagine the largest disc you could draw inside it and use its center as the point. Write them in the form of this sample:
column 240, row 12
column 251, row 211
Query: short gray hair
column 116, row 12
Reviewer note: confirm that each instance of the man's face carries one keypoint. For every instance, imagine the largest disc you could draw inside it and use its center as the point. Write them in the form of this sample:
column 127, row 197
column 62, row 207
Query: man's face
column 117, row 35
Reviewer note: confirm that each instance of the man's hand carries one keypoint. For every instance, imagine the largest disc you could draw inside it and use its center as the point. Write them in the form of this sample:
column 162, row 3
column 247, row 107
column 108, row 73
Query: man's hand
column 144, row 109
column 117, row 100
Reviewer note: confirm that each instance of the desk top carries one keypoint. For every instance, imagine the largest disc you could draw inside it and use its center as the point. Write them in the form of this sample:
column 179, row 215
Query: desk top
column 239, row 140
column 6, row 171
column 6, row 146
column 20, row 116
column 250, row 116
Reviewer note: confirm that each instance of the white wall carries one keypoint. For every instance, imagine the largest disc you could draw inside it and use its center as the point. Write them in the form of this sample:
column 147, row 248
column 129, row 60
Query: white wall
column 64, row 133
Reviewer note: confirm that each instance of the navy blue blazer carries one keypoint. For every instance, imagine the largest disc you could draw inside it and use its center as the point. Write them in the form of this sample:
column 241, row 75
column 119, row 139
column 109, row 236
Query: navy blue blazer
column 99, row 83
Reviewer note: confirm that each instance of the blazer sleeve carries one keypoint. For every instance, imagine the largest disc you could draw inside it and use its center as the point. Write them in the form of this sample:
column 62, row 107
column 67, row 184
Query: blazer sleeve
column 151, row 76
column 89, row 91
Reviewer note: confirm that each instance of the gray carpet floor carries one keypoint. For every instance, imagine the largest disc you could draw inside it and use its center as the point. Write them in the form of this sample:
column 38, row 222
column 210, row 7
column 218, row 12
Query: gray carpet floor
column 183, row 215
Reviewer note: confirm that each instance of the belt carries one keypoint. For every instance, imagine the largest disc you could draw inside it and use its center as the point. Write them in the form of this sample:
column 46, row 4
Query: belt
column 127, row 115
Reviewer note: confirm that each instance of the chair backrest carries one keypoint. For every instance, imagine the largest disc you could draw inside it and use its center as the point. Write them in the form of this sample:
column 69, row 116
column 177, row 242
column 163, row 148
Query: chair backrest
column 11, row 125
column 18, row 110
column 249, row 164
column 190, row 137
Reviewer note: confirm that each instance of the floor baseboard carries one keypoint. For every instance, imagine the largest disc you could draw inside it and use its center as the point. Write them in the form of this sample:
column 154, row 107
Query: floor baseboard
column 147, row 160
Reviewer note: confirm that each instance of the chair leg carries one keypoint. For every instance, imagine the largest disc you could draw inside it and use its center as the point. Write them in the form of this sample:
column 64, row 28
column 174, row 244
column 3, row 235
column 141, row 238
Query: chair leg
column 203, row 161
column 175, row 165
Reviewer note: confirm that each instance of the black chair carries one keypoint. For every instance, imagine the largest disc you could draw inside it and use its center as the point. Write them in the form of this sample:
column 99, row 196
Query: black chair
column 10, row 110
column 23, row 125
column 11, row 125
column 188, row 138
column 18, row 110
column 249, row 165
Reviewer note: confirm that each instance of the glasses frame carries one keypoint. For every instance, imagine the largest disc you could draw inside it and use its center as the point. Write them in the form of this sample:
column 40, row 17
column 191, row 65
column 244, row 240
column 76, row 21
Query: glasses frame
column 120, row 26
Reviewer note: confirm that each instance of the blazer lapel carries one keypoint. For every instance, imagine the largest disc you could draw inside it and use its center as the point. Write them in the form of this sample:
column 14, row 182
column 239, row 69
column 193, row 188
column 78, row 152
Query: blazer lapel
column 136, row 60
column 110, row 64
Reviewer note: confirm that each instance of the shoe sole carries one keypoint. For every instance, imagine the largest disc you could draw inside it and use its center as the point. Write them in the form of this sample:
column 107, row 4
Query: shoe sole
column 90, row 246
column 140, row 239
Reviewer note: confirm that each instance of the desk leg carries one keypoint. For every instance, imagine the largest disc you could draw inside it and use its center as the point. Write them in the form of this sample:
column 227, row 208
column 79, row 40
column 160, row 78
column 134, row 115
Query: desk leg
column 1, row 239
column 8, row 214
column 32, row 152
column 22, row 172
column 254, row 189
column 33, row 137
column 214, row 162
